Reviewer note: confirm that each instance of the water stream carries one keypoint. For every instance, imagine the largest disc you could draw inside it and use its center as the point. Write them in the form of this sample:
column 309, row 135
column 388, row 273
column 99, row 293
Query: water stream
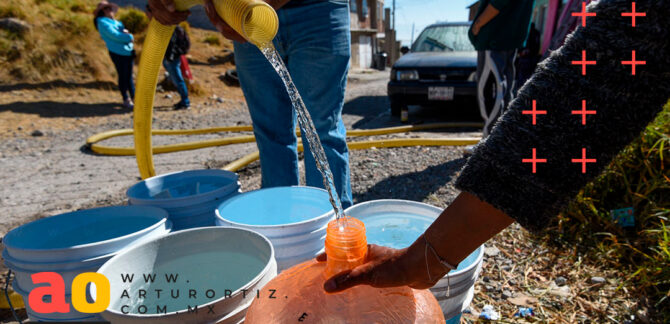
column 307, row 126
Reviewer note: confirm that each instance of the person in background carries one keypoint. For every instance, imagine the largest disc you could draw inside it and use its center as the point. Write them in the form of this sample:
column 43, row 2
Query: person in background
column 172, row 62
column 178, row 46
column 498, row 29
column 120, row 45
column 498, row 188
column 527, row 58
column 314, row 41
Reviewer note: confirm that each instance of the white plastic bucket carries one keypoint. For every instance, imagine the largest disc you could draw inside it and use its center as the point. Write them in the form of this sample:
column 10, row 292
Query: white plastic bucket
column 77, row 242
column 397, row 224
column 189, row 197
column 208, row 258
column 83, row 234
column 294, row 219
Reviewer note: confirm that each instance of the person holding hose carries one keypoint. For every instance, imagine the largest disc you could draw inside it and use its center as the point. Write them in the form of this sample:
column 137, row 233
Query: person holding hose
column 119, row 42
column 314, row 41
column 498, row 188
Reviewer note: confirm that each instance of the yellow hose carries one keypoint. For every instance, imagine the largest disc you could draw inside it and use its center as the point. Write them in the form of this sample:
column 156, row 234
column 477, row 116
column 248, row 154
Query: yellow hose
column 110, row 150
column 253, row 19
column 393, row 142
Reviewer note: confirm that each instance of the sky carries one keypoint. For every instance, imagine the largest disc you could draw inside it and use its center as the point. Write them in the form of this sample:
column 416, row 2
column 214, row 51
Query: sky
column 425, row 12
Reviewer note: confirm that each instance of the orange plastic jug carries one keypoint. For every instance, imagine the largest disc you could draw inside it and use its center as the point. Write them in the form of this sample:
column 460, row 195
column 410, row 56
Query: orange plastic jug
column 297, row 294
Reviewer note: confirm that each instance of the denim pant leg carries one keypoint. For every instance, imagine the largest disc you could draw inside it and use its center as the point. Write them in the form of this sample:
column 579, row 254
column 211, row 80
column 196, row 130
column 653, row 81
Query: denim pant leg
column 173, row 68
column 318, row 50
column 272, row 116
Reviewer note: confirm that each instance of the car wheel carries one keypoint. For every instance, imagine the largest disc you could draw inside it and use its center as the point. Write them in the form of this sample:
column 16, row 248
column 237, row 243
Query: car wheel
column 396, row 108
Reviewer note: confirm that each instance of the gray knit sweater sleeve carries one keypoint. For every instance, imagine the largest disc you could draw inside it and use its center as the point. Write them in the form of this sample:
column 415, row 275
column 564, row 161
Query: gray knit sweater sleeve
column 624, row 105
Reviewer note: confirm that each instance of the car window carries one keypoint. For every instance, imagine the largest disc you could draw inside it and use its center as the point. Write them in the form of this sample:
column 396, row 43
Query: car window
column 443, row 39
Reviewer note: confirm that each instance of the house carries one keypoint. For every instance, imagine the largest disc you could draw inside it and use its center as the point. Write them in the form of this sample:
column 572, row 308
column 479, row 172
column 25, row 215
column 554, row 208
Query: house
column 370, row 33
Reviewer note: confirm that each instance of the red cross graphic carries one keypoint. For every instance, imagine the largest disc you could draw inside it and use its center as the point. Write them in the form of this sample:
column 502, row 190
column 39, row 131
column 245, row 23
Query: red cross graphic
column 633, row 63
column 534, row 112
column 634, row 14
column 584, row 62
column 534, row 160
column 583, row 112
column 585, row 14
column 583, row 160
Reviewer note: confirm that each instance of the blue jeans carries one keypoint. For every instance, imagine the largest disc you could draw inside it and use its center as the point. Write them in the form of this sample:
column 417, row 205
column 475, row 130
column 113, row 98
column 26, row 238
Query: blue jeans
column 174, row 69
column 314, row 42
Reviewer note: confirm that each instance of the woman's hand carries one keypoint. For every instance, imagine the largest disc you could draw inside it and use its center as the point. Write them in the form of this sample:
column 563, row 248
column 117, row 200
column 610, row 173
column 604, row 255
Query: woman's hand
column 387, row 267
column 221, row 26
column 166, row 13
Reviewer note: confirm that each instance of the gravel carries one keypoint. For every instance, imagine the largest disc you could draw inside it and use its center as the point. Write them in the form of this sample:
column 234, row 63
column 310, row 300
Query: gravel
column 598, row 280
column 561, row 281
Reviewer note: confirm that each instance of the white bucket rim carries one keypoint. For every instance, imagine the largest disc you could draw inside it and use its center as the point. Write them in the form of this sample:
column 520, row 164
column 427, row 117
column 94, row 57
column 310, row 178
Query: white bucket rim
column 393, row 201
column 221, row 173
column 271, row 263
column 163, row 214
column 327, row 214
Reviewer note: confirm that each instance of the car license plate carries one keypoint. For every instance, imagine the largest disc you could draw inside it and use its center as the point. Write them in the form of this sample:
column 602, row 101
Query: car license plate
column 440, row 93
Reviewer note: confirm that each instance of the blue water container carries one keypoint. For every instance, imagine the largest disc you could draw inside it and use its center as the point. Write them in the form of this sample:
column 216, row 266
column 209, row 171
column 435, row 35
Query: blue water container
column 189, row 197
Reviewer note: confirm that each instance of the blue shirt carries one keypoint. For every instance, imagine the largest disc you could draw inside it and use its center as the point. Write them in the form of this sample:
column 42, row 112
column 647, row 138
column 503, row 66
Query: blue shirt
column 112, row 33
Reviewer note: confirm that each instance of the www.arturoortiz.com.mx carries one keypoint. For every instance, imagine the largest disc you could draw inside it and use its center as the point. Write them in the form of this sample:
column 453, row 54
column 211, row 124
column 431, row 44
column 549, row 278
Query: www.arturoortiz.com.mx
column 172, row 296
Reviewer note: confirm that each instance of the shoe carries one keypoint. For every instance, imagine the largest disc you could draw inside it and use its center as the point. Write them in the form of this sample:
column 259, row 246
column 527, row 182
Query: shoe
column 128, row 104
column 181, row 105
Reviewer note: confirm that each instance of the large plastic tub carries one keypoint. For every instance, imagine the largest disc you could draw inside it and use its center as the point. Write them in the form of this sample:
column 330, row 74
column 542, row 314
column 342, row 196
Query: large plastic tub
column 189, row 197
column 294, row 219
column 232, row 263
column 73, row 243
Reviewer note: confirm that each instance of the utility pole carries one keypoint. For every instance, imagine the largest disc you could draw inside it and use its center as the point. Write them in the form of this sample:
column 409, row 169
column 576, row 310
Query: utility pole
column 393, row 15
column 412, row 39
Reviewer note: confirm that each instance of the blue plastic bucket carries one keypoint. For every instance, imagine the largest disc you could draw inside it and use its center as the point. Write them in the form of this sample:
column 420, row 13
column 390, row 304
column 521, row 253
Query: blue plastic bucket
column 397, row 224
column 189, row 197
column 77, row 242
column 231, row 263
column 294, row 219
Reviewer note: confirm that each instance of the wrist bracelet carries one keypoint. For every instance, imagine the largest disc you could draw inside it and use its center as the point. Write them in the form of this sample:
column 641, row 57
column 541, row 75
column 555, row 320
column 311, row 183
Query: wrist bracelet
column 444, row 263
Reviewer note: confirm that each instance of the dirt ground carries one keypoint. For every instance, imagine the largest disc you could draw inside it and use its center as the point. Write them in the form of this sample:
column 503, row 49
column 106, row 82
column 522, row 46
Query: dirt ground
column 54, row 173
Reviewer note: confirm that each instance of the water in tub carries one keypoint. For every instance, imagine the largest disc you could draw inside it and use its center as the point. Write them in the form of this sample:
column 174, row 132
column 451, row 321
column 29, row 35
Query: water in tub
column 185, row 282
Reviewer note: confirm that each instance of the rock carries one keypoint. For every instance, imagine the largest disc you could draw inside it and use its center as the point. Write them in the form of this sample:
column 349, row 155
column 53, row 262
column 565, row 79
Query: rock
column 168, row 96
column 219, row 99
column 486, row 279
column 561, row 281
column 19, row 128
column 37, row 133
column 14, row 25
column 489, row 288
column 507, row 294
column 506, row 268
column 491, row 251
column 598, row 280
column 512, row 282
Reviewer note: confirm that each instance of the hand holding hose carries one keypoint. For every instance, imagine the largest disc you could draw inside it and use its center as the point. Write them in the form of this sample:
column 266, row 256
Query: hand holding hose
column 221, row 26
column 166, row 13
